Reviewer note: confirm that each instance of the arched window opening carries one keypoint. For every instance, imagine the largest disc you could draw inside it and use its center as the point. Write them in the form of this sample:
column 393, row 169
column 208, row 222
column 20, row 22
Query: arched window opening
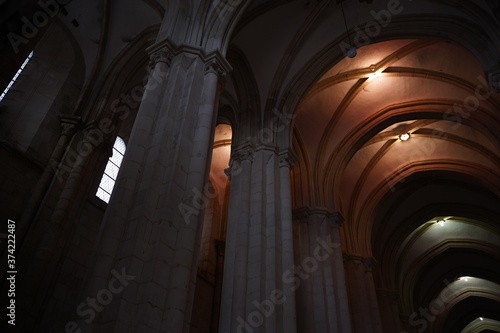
column 11, row 83
column 111, row 172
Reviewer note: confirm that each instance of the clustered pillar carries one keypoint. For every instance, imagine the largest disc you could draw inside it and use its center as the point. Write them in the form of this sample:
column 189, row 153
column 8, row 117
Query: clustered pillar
column 152, row 226
column 389, row 309
column 362, row 294
column 319, row 272
column 259, row 245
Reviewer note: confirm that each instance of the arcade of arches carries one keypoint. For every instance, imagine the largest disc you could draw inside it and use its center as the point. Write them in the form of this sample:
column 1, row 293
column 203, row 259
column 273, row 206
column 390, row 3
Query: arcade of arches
column 272, row 180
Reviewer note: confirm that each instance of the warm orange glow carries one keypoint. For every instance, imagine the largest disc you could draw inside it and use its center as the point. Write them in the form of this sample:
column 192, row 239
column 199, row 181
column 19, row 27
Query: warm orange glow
column 221, row 154
column 404, row 137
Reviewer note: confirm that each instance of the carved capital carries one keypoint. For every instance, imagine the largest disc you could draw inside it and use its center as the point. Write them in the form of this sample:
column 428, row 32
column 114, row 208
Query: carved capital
column 336, row 218
column 163, row 51
column 216, row 64
column 164, row 55
column 212, row 67
column 69, row 124
column 301, row 215
column 287, row 159
column 352, row 258
column 304, row 213
column 243, row 153
column 368, row 263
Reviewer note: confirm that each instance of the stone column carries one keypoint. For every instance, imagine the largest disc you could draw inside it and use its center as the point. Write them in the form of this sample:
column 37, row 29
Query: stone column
column 319, row 273
column 362, row 296
column 51, row 239
column 259, row 246
column 219, row 272
column 34, row 203
column 68, row 126
column 286, row 161
column 152, row 227
column 389, row 310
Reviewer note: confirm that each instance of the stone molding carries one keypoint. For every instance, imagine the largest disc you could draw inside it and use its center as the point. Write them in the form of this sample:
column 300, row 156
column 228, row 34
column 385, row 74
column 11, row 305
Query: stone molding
column 161, row 52
column 369, row 263
column 391, row 294
column 216, row 64
column 243, row 153
column 165, row 51
column 69, row 124
column 302, row 215
column 163, row 55
column 247, row 151
column 287, row 159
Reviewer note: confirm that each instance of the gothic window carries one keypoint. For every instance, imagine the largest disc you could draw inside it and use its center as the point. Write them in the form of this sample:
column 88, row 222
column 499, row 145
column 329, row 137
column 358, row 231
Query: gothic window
column 111, row 172
column 16, row 76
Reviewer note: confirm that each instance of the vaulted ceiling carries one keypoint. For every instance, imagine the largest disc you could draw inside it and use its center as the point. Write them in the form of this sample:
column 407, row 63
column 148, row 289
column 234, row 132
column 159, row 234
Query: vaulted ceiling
column 424, row 74
column 426, row 209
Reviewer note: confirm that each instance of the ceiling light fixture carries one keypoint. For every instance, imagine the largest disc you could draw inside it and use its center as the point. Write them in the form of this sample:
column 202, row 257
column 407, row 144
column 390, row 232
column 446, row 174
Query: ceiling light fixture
column 374, row 73
column 404, row 136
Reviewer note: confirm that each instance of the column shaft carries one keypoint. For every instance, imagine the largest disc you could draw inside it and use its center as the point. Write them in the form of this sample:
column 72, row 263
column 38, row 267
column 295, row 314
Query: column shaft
column 259, row 244
column 389, row 310
column 322, row 290
column 152, row 226
column 362, row 295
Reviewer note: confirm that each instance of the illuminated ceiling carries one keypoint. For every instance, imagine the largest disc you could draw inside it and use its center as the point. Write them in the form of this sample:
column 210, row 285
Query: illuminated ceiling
column 348, row 130
column 347, row 134
column 391, row 191
column 424, row 75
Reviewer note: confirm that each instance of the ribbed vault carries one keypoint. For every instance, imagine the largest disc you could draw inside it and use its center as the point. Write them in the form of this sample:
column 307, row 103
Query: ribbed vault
column 425, row 208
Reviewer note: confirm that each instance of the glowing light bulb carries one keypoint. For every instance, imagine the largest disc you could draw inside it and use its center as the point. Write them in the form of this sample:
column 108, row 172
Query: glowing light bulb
column 404, row 136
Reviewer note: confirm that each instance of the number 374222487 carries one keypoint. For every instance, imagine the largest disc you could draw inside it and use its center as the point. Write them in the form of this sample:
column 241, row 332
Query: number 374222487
column 11, row 244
